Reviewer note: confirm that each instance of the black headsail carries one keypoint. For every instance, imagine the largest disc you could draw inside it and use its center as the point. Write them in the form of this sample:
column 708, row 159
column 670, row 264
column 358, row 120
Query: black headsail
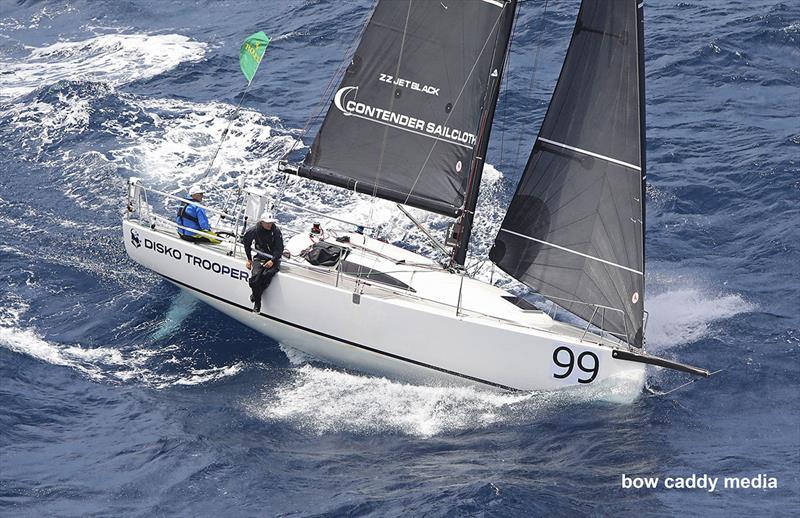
column 404, row 123
column 575, row 228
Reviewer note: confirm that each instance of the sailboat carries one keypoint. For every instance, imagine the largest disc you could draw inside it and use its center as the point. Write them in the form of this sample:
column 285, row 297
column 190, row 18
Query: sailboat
column 410, row 122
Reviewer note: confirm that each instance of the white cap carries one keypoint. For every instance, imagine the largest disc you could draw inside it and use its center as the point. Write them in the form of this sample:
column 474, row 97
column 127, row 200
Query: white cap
column 267, row 217
column 196, row 189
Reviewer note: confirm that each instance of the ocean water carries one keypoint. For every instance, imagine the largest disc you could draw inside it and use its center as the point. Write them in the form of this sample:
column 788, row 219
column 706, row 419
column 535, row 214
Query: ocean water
column 121, row 396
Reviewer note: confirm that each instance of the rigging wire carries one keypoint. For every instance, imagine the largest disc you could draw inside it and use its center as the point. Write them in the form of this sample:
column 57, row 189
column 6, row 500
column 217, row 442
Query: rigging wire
column 326, row 95
column 227, row 129
column 507, row 79
column 314, row 114
column 655, row 393
column 455, row 103
column 529, row 92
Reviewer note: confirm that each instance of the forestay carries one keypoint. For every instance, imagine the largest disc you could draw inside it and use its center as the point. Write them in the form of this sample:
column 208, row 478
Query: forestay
column 575, row 228
column 404, row 122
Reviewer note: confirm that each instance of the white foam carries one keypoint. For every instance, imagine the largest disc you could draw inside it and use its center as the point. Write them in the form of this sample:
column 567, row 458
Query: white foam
column 328, row 401
column 793, row 28
column 45, row 12
column 113, row 59
column 41, row 122
column 296, row 357
column 186, row 136
column 105, row 364
column 26, row 341
column 171, row 150
column 325, row 400
column 685, row 315
column 202, row 376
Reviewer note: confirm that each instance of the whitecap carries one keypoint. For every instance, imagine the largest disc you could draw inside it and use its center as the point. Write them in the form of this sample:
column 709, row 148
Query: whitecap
column 203, row 376
column 113, row 59
column 296, row 357
column 177, row 151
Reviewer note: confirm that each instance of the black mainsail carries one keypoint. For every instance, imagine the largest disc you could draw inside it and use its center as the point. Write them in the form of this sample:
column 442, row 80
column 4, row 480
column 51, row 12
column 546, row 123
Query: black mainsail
column 407, row 118
column 575, row 228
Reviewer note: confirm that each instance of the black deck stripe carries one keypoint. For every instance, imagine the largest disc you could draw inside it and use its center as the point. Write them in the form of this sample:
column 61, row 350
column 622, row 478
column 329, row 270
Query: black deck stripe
column 344, row 341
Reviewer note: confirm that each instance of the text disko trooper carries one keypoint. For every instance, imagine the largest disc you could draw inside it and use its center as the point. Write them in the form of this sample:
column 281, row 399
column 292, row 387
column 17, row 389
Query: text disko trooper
column 189, row 258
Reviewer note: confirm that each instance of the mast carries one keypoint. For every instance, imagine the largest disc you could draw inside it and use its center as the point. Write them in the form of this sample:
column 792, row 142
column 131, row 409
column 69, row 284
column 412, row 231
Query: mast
column 463, row 228
column 574, row 230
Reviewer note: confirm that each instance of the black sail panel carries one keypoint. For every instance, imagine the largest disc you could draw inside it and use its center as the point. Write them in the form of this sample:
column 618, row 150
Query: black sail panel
column 574, row 229
column 403, row 124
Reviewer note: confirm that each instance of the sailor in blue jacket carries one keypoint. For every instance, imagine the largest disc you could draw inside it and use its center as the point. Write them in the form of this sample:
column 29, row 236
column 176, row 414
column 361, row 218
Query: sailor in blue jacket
column 191, row 215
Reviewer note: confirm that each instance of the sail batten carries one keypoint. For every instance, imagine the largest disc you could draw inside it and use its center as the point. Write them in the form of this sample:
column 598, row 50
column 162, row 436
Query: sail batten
column 574, row 230
column 590, row 153
column 405, row 121
column 566, row 249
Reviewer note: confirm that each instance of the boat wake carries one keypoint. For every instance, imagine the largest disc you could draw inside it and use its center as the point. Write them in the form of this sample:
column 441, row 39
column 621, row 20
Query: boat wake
column 169, row 141
column 114, row 59
column 323, row 400
column 154, row 367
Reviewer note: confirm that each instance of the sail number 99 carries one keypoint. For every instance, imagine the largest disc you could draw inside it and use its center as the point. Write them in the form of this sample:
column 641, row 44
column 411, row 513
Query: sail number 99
column 565, row 362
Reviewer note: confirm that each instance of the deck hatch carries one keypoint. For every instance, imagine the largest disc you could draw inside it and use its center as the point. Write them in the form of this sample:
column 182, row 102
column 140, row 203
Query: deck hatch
column 523, row 304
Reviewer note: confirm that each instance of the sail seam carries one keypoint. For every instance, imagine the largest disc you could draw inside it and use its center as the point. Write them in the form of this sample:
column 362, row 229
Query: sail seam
column 592, row 154
column 571, row 251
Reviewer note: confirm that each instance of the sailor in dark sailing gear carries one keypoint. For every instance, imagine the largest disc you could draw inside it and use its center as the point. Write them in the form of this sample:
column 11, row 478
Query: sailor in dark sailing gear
column 269, row 249
column 191, row 215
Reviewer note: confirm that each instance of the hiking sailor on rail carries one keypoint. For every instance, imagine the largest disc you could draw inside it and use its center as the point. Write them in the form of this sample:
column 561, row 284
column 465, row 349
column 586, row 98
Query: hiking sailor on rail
column 193, row 216
column 269, row 246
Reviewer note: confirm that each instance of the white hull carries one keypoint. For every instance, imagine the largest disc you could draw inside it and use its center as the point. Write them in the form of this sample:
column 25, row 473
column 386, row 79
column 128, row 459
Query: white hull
column 413, row 337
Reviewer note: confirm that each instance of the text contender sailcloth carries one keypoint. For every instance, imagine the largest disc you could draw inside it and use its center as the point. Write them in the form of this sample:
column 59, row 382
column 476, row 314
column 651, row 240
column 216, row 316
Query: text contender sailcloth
column 575, row 230
column 404, row 121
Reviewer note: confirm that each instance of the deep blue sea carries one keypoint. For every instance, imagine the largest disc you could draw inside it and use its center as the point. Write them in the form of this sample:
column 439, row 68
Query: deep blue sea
column 120, row 396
